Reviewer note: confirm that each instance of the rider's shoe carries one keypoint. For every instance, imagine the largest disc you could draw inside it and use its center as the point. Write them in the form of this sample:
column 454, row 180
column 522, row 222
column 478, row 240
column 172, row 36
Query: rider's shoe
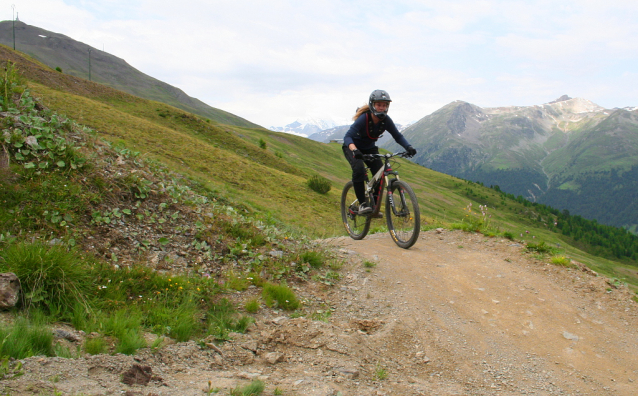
column 364, row 209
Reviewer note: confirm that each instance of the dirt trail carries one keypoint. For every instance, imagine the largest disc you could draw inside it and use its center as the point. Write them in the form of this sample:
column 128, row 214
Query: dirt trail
column 457, row 314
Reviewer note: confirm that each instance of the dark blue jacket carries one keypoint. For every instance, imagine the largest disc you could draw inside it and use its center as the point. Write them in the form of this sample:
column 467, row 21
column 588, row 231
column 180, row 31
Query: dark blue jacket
column 364, row 133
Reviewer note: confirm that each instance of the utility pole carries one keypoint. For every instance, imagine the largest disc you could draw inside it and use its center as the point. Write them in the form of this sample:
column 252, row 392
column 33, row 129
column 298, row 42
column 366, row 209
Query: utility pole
column 90, row 64
column 13, row 22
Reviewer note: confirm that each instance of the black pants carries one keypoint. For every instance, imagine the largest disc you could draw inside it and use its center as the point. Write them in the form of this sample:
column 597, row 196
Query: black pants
column 359, row 169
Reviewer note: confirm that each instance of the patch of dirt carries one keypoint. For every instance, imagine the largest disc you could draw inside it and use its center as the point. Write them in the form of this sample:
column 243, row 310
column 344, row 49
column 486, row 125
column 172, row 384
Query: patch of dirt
column 457, row 314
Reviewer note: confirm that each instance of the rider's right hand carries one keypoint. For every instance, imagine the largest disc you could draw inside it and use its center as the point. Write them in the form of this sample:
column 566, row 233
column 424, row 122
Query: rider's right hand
column 357, row 154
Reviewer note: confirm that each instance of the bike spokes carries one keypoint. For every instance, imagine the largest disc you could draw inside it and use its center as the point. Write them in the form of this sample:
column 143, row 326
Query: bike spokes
column 403, row 218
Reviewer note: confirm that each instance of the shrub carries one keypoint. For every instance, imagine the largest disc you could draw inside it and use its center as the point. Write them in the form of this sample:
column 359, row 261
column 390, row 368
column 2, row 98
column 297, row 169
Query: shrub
column 58, row 68
column 281, row 296
column 319, row 184
column 262, row 143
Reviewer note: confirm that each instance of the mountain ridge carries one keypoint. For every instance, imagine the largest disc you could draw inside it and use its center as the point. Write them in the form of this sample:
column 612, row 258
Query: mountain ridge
column 72, row 56
column 537, row 151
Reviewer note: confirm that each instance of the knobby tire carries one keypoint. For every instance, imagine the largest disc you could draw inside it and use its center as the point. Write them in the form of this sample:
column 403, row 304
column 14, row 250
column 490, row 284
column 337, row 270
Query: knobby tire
column 402, row 214
column 356, row 225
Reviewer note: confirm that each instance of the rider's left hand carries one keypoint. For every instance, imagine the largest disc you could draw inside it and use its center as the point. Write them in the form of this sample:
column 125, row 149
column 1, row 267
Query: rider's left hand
column 411, row 151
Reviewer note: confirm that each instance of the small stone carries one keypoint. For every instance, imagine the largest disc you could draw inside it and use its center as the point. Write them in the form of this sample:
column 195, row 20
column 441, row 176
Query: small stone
column 274, row 357
column 570, row 336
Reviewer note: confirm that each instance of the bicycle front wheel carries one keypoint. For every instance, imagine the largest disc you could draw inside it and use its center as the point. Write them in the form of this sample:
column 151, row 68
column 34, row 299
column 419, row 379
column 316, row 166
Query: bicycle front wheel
column 402, row 214
column 357, row 226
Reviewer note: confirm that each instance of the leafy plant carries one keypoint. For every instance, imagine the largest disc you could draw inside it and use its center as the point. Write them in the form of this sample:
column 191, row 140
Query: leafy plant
column 10, row 370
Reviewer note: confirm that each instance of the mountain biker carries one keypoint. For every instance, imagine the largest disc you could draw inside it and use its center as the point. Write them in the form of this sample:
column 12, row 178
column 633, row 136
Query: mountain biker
column 370, row 121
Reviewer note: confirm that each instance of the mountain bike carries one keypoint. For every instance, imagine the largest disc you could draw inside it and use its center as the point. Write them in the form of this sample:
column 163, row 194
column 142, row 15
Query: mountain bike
column 401, row 206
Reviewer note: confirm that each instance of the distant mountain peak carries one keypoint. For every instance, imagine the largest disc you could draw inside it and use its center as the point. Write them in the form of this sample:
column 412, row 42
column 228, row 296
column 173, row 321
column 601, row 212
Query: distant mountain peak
column 562, row 99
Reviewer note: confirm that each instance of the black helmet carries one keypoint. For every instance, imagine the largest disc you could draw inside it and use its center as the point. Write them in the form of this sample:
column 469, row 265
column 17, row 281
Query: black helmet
column 379, row 95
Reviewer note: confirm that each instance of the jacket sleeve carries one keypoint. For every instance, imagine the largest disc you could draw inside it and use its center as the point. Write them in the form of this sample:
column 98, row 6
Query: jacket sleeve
column 398, row 137
column 354, row 130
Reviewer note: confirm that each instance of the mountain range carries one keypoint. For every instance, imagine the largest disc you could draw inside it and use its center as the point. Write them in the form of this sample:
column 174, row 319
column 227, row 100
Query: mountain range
column 306, row 127
column 72, row 57
column 570, row 153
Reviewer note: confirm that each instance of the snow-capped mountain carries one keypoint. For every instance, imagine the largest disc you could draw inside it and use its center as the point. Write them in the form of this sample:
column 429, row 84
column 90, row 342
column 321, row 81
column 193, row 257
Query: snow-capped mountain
column 306, row 126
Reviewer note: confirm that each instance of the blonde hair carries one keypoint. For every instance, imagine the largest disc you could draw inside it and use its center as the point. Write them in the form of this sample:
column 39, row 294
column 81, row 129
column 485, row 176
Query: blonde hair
column 363, row 109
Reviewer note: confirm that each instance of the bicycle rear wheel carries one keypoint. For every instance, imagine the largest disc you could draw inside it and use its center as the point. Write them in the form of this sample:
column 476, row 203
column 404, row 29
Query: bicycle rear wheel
column 402, row 214
column 357, row 226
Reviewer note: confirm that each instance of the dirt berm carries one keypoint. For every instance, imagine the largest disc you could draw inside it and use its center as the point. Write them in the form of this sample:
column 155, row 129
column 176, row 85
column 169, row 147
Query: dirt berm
column 457, row 314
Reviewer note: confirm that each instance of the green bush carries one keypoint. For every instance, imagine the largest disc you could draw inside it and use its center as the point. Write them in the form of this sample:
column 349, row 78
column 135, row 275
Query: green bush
column 281, row 296
column 319, row 184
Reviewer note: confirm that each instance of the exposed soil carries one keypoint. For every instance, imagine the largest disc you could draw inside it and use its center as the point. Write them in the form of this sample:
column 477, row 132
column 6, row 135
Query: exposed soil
column 457, row 314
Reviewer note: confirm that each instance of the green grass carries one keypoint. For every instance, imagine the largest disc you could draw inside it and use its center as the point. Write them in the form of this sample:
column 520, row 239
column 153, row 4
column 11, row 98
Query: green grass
column 52, row 277
column 95, row 345
column 280, row 296
column 26, row 338
column 256, row 387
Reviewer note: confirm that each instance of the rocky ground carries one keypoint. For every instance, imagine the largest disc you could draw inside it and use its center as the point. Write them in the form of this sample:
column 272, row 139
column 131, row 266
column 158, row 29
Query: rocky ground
column 457, row 314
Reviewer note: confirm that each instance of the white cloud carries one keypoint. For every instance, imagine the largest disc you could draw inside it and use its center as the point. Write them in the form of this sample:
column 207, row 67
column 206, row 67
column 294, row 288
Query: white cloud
column 272, row 62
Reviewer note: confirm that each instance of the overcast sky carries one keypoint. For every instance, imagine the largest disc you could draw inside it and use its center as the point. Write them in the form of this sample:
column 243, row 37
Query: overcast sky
column 276, row 61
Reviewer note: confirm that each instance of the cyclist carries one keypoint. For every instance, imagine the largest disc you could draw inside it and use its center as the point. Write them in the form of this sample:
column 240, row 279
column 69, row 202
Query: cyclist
column 370, row 121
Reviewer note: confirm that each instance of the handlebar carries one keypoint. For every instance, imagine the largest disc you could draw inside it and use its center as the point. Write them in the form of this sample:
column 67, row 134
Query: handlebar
column 403, row 154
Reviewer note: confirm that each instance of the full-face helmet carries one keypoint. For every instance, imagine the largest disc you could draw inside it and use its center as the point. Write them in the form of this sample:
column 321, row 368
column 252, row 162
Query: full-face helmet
column 379, row 95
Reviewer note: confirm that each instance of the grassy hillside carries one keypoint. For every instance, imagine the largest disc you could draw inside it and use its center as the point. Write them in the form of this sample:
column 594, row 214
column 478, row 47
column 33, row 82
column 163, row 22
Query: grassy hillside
column 152, row 220
column 266, row 172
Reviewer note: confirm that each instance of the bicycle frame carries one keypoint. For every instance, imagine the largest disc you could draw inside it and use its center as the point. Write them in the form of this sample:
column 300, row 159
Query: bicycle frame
column 382, row 177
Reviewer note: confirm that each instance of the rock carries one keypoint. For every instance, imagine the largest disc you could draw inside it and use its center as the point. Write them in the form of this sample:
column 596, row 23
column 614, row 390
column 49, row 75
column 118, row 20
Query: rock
column 59, row 333
column 570, row 336
column 9, row 290
column 349, row 373
column 274, row 357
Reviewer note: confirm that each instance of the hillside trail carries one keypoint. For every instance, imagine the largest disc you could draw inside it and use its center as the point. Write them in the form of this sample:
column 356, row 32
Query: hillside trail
column 457, row 314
